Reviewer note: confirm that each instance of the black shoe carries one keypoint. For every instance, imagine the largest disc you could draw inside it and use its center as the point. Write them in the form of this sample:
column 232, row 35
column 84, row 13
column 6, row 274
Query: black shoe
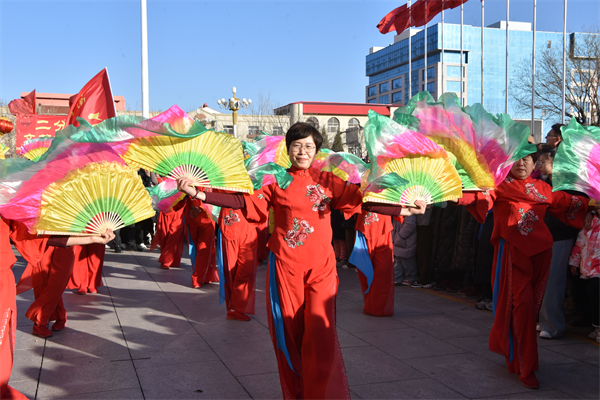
column 118, row 249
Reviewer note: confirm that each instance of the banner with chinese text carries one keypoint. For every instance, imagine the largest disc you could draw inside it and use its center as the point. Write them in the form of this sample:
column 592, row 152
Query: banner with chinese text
column 30, row 126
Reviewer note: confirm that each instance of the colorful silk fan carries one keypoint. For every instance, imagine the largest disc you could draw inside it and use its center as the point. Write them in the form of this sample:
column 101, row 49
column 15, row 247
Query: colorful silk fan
column 3, row 150
column 212, row 159
column 33, row 149
column 482, row 151
column 344, row 165
column 165, row 195
column 92, row 199
column 577, row 161
column 406, row 166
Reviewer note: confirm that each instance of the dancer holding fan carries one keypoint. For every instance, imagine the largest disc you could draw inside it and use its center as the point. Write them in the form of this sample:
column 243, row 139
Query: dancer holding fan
column 302, row 277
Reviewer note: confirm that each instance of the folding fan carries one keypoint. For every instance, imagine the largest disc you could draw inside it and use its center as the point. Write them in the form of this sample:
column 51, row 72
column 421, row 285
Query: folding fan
column 577, row 161
column 425, row 168
column 165, row 195
column 3, row 150
column 92, row 199
column 212, row 159
column 344, row 165
column 33, row 149
column 480, row 151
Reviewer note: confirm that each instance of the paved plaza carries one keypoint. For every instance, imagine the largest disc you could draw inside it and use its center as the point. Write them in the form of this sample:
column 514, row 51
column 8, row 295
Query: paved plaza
column 148, row 335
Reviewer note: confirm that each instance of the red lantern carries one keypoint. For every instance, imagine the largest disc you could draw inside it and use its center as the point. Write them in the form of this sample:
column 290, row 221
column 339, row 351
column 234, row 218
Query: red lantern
column 6, row 125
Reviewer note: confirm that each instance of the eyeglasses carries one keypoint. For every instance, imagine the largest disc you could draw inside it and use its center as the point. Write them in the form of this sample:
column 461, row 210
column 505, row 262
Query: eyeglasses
column 309, row 148
column 544, row 162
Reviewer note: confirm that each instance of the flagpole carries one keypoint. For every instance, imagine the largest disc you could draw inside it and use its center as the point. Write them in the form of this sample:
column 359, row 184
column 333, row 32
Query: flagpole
column 425, row 43
column 462, row 103
column 482, row 46
column 145, row 94
column 443, row 86
column 533, row 71
column 564, row 60
column 506, row 94
column 409, row 52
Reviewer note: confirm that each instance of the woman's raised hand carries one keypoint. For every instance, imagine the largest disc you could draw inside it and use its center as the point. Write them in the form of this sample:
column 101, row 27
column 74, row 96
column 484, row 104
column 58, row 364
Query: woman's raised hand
column 185, row 185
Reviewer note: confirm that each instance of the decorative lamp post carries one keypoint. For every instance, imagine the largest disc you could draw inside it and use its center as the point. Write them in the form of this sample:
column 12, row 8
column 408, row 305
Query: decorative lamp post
column 234, row 104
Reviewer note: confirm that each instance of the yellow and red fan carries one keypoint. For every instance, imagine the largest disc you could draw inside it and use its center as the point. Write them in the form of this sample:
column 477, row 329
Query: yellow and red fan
column 88, row 201
column 212, row 159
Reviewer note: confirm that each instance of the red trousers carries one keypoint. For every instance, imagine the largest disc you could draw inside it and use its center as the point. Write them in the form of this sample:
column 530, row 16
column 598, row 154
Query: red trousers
column 8, row 330
column 170, row 235
column 262, row 232
column 307, row 300
column 379, row 301
column 518, row 288
column 205, row 268
column 239, row 269
column 50, row 279
column 87, row 267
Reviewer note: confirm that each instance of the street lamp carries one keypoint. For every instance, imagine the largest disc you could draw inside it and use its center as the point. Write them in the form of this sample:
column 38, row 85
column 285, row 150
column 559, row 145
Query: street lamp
column 234, row 104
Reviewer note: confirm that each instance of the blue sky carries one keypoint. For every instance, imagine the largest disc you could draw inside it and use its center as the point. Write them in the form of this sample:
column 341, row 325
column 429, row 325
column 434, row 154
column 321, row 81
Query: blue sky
column 198, row 50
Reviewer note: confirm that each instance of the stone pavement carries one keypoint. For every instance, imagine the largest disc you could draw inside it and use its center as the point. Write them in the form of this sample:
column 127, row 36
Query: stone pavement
column 148, row 335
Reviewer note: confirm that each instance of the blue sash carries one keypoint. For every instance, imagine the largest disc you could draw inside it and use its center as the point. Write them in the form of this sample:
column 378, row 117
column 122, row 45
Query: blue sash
column 360, row 257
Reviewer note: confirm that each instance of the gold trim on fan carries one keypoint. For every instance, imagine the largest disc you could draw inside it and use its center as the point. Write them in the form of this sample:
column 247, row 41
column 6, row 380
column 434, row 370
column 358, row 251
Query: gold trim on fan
column 67, row 233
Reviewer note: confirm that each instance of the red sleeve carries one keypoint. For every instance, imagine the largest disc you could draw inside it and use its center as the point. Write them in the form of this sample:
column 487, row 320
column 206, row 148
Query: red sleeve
column 257, row 205
column 30, row 246
column 569, row 208
column 234, row 201
column 346, row 197
column 478, row 203
column 384, row 209
column 58, row 241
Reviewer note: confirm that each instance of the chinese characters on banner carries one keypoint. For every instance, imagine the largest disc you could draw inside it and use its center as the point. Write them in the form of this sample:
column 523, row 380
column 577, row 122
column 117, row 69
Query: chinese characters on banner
column 30, row 126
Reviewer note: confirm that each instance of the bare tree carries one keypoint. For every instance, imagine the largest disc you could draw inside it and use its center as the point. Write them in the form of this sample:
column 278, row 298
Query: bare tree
column 581, row 89
column 261, row 114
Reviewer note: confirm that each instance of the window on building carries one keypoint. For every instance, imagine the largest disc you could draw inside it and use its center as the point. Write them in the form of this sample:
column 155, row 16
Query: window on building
column 430, row 73
column 373, row 101
column 372, row 91
column 453, row 71
column 228, row 129
column 397, row 83
column 333, row 125
column 313, row 121
column 549, row 44
column 384, row 99
column 353, row 122
column 397, row 98
column 253, row 131
column 277, row 131
column 453, row 86
column 423, row 87
column 431, row 87
column 384, row 87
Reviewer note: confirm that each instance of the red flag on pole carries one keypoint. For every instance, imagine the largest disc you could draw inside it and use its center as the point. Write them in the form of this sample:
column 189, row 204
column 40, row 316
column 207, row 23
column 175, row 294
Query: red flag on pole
column 94, row 102
column 396, row 19
column 26, row 105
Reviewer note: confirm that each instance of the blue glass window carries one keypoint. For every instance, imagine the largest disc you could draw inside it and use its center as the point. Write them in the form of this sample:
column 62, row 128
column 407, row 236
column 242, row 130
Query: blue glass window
column 384, row 99
column 453, row 86
column 396, row 97
column 453, row 71
column 373, row 101
column 372, row 90
column 431, row 87
column 430, row 73
column 384, row 87
column 397, row 83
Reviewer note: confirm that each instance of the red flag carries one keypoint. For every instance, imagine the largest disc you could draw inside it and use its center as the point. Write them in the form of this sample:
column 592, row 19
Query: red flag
column 94, row 102
column 453, row 3
column 423, row 11
column 26, row 105
column 396, row 19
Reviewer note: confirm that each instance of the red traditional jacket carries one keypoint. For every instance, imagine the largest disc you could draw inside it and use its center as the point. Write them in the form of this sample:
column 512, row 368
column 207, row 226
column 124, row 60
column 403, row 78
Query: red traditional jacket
column 302, row 233
column 235, row 225
column 519, row 209
column 30, row 246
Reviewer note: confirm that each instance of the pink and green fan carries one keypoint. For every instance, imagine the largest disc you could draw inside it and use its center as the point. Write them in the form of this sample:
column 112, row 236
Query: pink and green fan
column 33, row 149
column 165, row 195
column 481, row 147
column 577, row 161
column 406, row 166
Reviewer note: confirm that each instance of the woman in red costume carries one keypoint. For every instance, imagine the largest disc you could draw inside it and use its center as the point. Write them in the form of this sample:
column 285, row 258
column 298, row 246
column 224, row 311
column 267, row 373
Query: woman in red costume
column 379, row 294
column 170, row 235
column 201, row 233
column 239, row 241
column 523, row 251
column 302, row 279
column 88, row 261
column 32, row 248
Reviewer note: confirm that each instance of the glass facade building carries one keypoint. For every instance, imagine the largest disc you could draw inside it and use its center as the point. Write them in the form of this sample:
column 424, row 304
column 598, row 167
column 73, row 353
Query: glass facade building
column 390, row 64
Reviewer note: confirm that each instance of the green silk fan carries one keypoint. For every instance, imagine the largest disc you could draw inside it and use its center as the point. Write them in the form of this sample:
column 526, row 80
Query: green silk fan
column 212, row 159
column 88, row 201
